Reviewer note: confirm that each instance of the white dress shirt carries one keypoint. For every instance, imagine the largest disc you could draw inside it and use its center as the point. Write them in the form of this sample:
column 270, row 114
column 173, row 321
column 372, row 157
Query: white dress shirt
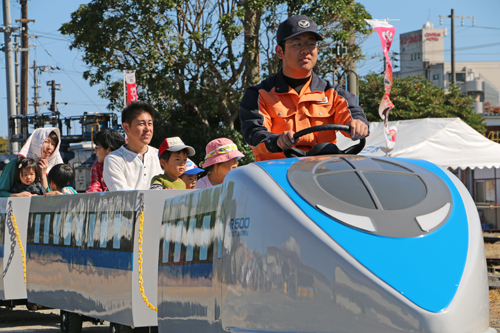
column 126, row 170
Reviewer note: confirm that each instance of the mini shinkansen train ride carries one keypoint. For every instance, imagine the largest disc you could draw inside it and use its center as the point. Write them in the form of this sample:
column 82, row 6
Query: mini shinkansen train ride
column 329, row 243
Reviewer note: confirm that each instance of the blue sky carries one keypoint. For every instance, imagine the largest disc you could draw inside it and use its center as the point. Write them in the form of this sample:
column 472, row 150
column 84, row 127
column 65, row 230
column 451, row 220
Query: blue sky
column 52, row 49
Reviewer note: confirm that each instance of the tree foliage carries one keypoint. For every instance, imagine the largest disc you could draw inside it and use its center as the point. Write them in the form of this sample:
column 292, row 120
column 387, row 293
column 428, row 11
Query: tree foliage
column 194, row 58
column 415, row 97
column 4, row 145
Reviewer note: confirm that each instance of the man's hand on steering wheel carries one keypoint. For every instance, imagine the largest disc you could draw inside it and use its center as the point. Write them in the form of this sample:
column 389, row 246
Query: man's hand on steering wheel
column 358, row 129
column 286, row 140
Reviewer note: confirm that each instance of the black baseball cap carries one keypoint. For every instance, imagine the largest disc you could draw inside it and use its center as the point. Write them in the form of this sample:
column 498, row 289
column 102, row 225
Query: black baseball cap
column 296, row 25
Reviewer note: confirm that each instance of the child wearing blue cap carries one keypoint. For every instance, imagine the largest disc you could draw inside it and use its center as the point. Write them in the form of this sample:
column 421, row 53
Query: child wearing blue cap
column 190, row 177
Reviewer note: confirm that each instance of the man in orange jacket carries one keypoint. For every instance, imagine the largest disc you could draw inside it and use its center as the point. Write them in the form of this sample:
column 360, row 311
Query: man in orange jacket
column 296, row 98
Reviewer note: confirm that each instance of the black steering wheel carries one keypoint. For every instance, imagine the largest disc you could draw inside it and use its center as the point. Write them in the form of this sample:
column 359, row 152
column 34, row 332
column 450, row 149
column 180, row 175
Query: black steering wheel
column 325, row 148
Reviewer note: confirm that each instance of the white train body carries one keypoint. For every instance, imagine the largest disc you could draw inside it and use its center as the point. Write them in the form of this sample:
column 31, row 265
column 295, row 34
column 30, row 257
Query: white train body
column 82, row 254
column 321, row 244
column 288, row 251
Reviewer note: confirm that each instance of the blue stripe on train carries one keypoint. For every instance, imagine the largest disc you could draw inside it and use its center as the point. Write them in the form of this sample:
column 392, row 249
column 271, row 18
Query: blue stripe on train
column 78, row 256
column 1, row 250
column 195, row 272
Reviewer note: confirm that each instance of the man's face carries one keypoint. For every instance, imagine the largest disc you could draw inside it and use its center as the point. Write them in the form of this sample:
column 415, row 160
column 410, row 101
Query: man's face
column 140, row 130
column 300, row 55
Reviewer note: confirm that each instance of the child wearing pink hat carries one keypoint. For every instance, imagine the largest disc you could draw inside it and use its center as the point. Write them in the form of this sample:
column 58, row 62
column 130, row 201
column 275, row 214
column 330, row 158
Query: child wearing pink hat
column 222, row 156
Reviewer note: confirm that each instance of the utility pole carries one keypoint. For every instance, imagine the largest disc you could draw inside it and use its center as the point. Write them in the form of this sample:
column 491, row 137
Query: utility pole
column 392, row 56
column 452, row 16
column 36, row 86
column 352, row 80
column 7, row 29
column 54, row 87
column 16, row 74
column 24, row 56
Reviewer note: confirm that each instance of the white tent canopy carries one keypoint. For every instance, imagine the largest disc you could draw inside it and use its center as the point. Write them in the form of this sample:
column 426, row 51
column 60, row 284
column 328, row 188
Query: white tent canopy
column 447, row 142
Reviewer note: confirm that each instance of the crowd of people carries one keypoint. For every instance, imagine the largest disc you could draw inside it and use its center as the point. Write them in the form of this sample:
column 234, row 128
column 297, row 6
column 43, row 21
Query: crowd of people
column 121, row 164
column 271, row 113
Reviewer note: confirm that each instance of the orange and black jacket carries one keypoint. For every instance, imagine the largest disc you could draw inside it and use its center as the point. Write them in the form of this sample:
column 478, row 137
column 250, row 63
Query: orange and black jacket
column 272, row 107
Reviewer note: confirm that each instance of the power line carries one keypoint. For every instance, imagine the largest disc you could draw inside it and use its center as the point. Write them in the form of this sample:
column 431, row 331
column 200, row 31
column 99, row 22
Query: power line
column 76, row 84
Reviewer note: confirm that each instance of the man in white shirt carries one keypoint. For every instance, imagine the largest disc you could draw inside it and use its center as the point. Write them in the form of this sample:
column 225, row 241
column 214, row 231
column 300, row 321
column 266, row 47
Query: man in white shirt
column 132, row 166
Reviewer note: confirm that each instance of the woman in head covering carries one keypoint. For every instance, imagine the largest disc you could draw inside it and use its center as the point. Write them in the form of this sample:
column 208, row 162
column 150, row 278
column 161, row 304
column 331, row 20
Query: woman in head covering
column 42, row 146
column 222, row 156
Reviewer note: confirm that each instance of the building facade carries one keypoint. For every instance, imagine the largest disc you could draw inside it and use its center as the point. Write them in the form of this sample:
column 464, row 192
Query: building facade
column 422, row 53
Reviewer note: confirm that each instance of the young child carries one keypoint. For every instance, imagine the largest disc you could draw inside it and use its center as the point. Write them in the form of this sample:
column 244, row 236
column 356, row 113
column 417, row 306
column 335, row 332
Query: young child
column 222, row 156
column 26, row 177
column 105, row 141
column 173, row 157
column 61, row 178
column 190, row 176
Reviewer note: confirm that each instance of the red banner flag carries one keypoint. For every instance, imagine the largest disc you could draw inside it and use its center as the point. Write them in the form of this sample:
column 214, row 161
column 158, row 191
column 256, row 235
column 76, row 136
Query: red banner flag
column 131, row 94
column 386, row 33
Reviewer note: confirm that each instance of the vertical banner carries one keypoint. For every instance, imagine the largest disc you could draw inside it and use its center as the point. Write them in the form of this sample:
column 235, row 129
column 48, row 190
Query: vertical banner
column 386, row 33
column 131, row 92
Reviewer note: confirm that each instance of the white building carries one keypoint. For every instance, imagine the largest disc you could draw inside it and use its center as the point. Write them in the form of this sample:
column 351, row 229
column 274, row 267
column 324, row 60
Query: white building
column 422, row 53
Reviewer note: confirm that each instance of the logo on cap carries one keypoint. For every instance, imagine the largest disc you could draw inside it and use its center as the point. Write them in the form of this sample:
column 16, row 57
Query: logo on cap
column 303, row 24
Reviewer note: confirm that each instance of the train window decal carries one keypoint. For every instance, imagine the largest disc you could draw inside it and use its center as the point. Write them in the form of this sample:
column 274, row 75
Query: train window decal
column 104, row 234
column 83, row 230
column 37, row 228
column 57, row 229
column 90, row 240
column 46, row 229
column 116, row 233
column 188, row 241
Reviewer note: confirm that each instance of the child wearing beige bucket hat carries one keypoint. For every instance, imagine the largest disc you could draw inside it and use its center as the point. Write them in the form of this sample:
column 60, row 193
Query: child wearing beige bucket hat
column 221, row 157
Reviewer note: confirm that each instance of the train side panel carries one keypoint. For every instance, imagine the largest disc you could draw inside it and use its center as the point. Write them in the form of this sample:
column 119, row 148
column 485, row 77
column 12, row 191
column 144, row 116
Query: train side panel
column 153, row 213
column 82, row 254
column 13, row 272
column 188, row 279
column 3, row 211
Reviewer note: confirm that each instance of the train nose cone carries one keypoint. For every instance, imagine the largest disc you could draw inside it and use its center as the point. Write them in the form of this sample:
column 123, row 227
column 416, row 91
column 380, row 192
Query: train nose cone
column 409, row 218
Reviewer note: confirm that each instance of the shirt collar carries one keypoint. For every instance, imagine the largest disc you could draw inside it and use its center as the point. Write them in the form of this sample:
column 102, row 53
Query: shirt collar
column 317, row 84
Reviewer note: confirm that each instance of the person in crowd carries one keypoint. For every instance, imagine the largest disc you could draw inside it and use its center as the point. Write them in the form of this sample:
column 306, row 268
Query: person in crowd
column 296, row 98
column 132, row 166
column 42, row 146
column 105, row 141
column 173, row 157
column 27, row 179
column 190, row 176
column 61, row 179
column 221, row 157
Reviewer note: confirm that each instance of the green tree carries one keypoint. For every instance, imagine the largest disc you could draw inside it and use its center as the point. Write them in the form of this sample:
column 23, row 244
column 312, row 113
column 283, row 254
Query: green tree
column 4, row 145
column 416, row 97
column 194, row 58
